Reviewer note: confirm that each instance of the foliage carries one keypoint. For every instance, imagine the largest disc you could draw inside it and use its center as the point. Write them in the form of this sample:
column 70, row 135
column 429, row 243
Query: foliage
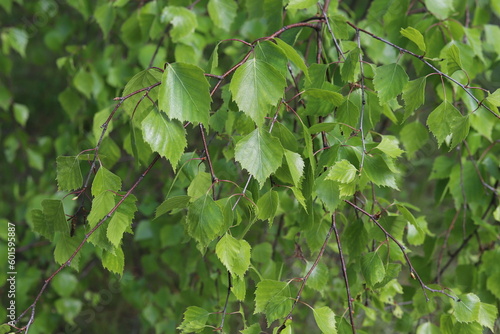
column 248, row 166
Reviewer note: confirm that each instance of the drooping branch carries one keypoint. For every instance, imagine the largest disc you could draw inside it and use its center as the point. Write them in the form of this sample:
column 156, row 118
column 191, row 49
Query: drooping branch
column 413, row 272
column 422, row 59
column 77, row 250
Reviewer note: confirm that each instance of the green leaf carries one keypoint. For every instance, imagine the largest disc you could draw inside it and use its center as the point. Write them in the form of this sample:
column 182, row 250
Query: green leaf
column 273, row 299
column 389, row 81
column 494, row 98
column 175, row 202
column 114, row 262
column 253, row 329
column 53, row 213
column 17, row 39
column 84, row 82
column 351, row 63
column 415, row 36
column 69, row 308
column 21, row 113
column 325, row 319
column 234, row 254
column 256, row 87
column 460, row 128
column 414, row 96
column 343, row 171
column 441, row 120
column 487, row 315
column 105, row 181
column 300, row 4
column 222, row 12
column 268, row 204
column 378, row 171
column 260, row 154
column 121, row 221
column 319, row 277
column 293, row 56
column 441, row 9
column 295, row 166
column 165, row 136
column 101, row 206
column 454, row 62
column 467, row 308
column 333, row 98
column 65, row 247
column 372, row 268
column 183, row 20
column 143, row 79
column 204, row 220
column 64, row 284
column 105, row 17
column 239, row 288
column 69, row 176
column 328, row 192
column 390, row 146
column 414, row 136
column 195, row 319
column 272, row 54
column 184, row 93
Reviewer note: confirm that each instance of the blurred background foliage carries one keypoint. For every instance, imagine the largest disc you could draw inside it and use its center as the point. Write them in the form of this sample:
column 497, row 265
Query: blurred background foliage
column 61, row 64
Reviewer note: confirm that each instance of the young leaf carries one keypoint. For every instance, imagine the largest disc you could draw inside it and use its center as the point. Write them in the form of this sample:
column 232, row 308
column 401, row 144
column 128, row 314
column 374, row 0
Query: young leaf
column 239, row 288
column 167, row 137
column 273, row 299
column 105, row 181
column 268, row 204
column 101, row 206
column 415, row 36
column 343, row 171
column 195, row 319
column 260, row 154
column 69, row 175
column 440, row 121
column 467, row 308
column 256, row 87
column 390, row 146
column 325, row 319
column 234, row 254
column 222, row 12
column 183, row 20
column 184, row 93
column 114, row 261
column 121, row 220
column 389, row 81
column 372, row 268
column 204, row 220
column 414, row 96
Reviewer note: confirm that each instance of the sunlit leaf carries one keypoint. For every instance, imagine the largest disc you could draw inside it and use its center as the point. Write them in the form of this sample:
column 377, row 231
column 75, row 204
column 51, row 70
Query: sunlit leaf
column 389, row 81
column 183, row 20
column 234, row 254
column 415, row 36
column 325, row 319
column 222, row 12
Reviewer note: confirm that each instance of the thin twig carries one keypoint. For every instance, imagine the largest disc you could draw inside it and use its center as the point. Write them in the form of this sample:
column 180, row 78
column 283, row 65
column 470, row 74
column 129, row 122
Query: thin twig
column 422, row 59
column 413, row 272
column 224, row 310
column 306, row 277
column 344, row 274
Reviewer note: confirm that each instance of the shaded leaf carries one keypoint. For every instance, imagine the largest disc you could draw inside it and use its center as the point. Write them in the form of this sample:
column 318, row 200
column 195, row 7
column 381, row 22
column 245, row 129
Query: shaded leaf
column 183, row 20
column 273, row 299
column 268, row 204
column 205, row 220
column 372, row 268
column 293, row 56
column 175, row 202
column 295, row 166
column 69, row 175
column 114, row 262
column 440, row 121
column 222, row 12
column 414, row 96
